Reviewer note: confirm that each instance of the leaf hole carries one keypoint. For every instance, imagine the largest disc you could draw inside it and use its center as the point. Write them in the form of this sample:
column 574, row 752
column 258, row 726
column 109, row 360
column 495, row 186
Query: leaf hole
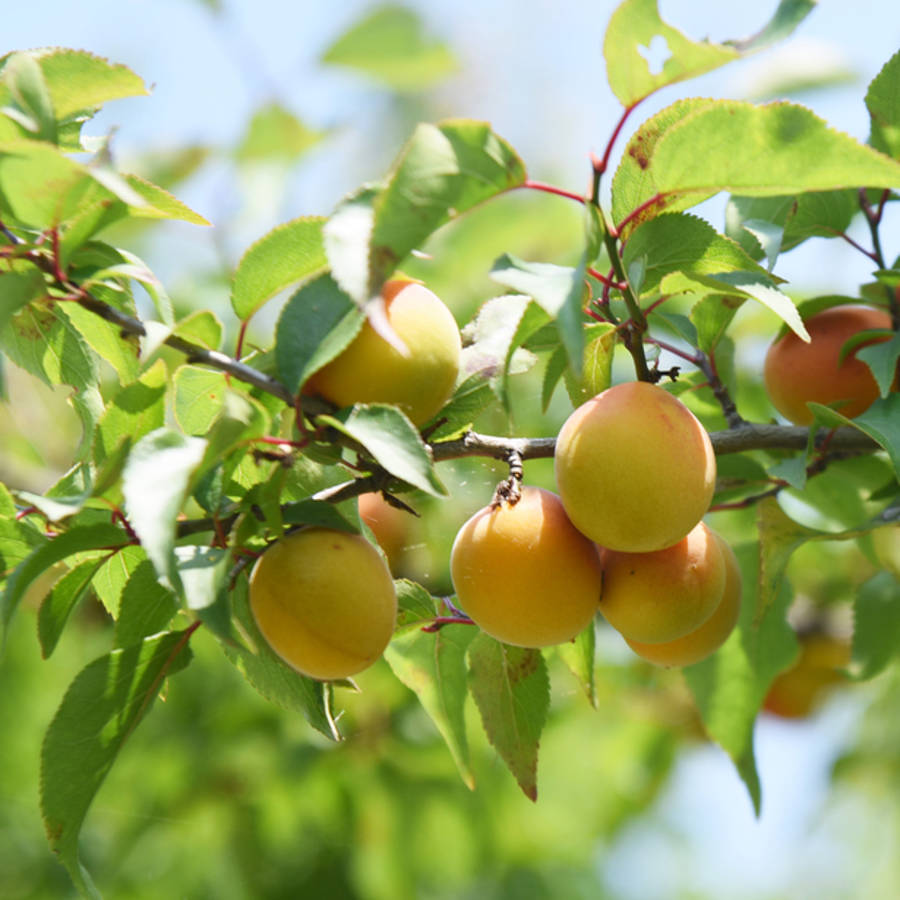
column 656, row 54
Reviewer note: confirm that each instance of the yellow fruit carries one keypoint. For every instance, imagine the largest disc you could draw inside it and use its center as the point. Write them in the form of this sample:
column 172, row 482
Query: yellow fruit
column 389, row 525
column 799, row 690
column 524, row 574
column 665, row 594
column 796, row 372
column 635, row 469
column 705, row 640
column 887, row 547
column 324, row 601
column 370, row 370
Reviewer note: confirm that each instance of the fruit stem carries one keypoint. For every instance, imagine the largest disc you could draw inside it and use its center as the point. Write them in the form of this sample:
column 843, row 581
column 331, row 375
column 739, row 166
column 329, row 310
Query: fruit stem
column 552, row 189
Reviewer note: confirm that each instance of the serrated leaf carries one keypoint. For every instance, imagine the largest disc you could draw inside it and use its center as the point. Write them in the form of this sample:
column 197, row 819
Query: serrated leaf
column 882, row 359
column 511, row 688
column 145, row 606
column 680, row 242
column 199, row 398
column 275, row 134
column 107, row 341
column 471, row 397
column 57, row 606
column 393, row 441
column 17, row 289
column 579, row 655
column 103, row 705
column 76, row 540
column 112, row 576
column 289, row 253
column 636, row 26
column 158, row 203
column 275, row 680
column 25, row 83
column 316, row 324
column 596, row 369
column 154, row 483
column 883, row 103
column 443, row 171
column 876, row 625
column 391, row 46
column 415, row 605
column 203, row 572
column 433, row 666
column 729, row 686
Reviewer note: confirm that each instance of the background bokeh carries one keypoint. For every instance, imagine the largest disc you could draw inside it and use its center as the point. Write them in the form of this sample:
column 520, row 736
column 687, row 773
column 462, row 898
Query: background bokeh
column 221, row 795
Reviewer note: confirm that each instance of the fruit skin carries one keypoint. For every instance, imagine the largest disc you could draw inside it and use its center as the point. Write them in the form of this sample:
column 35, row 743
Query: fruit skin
column 524, row 574
column 635, row 468
column 324, row 601
column 389, row 525
column 370, row 370
column 697, row 645
column 663, row 595
column 886, row 542
column 798, row 691
column 796, row 372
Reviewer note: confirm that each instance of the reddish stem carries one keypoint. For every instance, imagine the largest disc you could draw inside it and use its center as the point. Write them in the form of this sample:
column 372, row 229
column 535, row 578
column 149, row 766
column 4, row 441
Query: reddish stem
column 638, row 210
column 26, row 512
column 58, row 273
column 857, row 246
column 690, row 357
column 601, row 164
column 438, row 623
column 552, row 189
column 240, row 339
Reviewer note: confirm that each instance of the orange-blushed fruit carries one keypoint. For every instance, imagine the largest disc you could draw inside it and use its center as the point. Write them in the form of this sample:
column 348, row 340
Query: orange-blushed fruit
column 389, row 524
column 702, row 642
column 325, row 602
column 370, row 370
column 663, row 595
column 635, row 469
column 796, row 372
column 524, row 573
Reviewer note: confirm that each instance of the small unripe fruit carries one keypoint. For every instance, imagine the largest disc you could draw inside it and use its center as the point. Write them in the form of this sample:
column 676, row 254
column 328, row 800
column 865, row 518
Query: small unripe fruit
column 324, row 601
column 886, row 542
column 635, row 468
column 799, row 690
column 796, row 372
column 665, row 594
column 697, row 645
column 370, row 370
column 523, row 572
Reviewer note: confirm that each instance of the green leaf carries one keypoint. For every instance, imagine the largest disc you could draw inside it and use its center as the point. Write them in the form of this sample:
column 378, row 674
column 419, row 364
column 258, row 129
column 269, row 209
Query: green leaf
column 761, row 151
column 103, row 705
column 680, row 242
column 289, row 253
column 415, row 606
column 579, row 655
column 76, row 540
column 882, row 359
column 155, row 482
column 114, row 574
column 636, row 26
column 883, row 103
column 511, row 688
column 596, row 369
column 199, row 398
column 122, row 353
column 275, row 134
column 28, row 89
column 393, row 441
column 316, row 324
column 64, row 596
column 275, row 680
column 471, row 397
column 443, row 171
column 17, row 289
column 433, row 666
column 729, row 686
column 876, row 625
column 203, row 572
column 145, row 606
column 159, row 203
column 390, row 45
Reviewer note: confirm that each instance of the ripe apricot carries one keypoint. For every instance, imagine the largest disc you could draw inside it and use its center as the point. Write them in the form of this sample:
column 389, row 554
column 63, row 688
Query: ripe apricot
column 635, row 468
column 389, row 524
column 796, row 373
column 798, row 691
column 324, row 601
column 524, row 573
column 370, row 370
column 705, row 640
column 665, row 594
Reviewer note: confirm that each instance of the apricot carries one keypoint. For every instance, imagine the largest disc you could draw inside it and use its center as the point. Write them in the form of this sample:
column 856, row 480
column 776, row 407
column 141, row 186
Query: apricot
column 389, row 524
column 370, row 370
column 324, row 601
column 798, row 691
column 663, row 595
column 635, row 468
column 796, row 373
column 524, row 573
column 702, row 642
column 886, row 542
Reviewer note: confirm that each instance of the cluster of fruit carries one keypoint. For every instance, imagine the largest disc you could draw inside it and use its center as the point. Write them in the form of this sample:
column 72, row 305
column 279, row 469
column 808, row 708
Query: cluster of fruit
column 635, row 472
